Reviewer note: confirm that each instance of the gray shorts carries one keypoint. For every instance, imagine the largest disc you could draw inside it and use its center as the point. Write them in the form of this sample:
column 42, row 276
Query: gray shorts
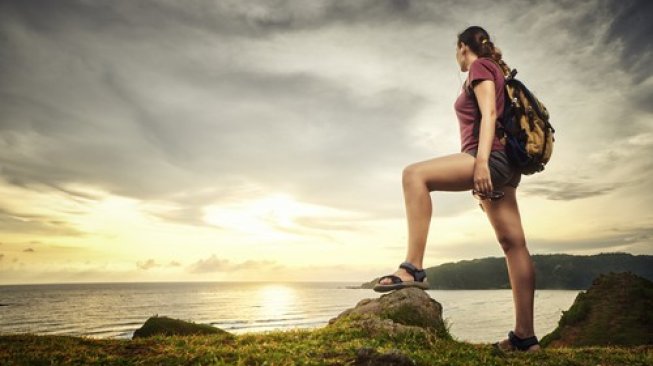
column 501, row 171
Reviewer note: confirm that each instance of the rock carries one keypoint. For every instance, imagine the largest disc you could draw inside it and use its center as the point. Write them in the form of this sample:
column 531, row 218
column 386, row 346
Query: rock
column 407, row 309
column 617, row 309
column 163, row 325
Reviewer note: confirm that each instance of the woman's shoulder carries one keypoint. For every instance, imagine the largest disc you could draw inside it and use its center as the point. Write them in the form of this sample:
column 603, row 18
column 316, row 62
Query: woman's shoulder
column 483, row 68
column 486, row 68
column 486, row 62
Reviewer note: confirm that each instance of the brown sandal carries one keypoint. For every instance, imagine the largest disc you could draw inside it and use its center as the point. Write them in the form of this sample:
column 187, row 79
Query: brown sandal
column 397, row 283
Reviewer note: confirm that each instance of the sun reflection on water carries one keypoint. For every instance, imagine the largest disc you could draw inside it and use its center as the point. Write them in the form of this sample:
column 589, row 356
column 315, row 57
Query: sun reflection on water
column 276, row 300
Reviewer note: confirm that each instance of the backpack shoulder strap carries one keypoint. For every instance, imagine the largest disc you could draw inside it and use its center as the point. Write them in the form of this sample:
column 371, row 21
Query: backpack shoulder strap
column 470, row 92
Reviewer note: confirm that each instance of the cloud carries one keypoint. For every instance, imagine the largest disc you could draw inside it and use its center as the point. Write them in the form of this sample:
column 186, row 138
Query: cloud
column 215, row 264
column 289, row 130
column 152, row 263
column 329, row 224
column 231, row 18
column 148, row 264
column 320, row 132
column 566, row 190
column 29, row 250
column 211, row 264
column 631, row 27
column 26, row 223
column 633, row 240
column 182, row 106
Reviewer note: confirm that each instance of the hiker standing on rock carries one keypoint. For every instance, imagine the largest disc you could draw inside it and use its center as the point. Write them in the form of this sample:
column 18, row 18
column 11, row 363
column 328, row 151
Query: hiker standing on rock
column 483, row 167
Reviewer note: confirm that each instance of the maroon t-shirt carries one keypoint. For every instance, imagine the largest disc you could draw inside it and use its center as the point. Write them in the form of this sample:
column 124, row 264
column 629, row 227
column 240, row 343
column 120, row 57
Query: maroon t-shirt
column 466, row 108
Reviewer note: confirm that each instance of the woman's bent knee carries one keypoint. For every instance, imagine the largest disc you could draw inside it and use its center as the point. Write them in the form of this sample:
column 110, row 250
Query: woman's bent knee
column 410, row 175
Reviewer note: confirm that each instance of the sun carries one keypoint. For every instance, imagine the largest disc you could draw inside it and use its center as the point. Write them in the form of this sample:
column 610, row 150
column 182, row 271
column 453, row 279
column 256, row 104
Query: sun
column 264, row 216
column 274, row 216
column 280, row 209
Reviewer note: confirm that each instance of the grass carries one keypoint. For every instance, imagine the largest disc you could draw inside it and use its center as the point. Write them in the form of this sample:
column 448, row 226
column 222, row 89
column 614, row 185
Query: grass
column 339, row 344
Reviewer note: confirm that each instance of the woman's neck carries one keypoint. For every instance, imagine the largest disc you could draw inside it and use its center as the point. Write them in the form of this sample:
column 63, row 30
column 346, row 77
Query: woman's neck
column 470, row 59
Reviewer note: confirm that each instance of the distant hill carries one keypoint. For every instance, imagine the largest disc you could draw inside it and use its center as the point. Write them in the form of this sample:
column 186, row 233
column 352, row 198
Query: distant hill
column 552, row 271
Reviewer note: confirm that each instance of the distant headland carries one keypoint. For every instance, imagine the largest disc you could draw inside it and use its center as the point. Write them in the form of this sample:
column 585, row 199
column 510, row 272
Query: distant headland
column 552, row 271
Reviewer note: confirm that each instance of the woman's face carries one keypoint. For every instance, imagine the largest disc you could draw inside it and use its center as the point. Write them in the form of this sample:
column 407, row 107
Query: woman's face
column 460, row 55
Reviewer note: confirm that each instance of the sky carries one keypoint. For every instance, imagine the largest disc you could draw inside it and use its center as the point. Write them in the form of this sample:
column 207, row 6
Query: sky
column 265, row 140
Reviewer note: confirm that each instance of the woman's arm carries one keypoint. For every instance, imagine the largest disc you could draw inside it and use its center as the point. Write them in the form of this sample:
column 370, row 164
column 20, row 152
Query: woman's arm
column 484, row 91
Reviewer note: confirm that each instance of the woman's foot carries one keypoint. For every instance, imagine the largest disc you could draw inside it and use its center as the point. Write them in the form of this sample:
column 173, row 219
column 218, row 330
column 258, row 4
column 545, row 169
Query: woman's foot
column 507, row 346
column 402, row 273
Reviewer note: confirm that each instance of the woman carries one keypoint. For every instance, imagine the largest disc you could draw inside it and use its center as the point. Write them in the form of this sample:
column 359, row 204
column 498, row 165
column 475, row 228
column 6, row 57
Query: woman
column 482, row 165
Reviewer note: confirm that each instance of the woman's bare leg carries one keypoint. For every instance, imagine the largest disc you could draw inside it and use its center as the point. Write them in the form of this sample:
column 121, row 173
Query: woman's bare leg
column 453, row 172
column 506, row 221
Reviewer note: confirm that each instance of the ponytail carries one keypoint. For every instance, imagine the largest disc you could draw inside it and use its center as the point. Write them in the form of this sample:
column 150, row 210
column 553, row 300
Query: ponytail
column 479, row 42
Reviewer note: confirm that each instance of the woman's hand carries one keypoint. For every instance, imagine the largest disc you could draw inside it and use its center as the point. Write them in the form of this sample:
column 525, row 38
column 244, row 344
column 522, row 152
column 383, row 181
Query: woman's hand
column 482, row 178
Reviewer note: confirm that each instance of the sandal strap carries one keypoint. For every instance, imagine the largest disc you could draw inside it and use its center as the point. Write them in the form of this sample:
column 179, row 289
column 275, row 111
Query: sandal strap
column 392, row 277
column 522, row 343
column 418, row 274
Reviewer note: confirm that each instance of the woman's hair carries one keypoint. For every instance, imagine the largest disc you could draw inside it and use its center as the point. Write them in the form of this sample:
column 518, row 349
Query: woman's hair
column 479, row 42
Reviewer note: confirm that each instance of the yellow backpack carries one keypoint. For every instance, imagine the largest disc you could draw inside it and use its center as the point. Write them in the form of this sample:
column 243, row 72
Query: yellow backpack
column 524, row 129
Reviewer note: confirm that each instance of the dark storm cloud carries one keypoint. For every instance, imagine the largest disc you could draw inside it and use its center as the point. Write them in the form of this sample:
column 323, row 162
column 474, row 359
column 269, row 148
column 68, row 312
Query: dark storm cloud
column 632, row 26
column 226, row 18
column 629, row 28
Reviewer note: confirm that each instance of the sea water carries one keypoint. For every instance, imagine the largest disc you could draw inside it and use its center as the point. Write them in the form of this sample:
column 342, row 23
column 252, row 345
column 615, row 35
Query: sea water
column 116, row 310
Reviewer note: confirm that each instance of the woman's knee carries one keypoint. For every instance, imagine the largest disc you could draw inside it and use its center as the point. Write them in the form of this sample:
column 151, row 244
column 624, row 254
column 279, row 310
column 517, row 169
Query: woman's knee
column 410, row 175
column 510, row 241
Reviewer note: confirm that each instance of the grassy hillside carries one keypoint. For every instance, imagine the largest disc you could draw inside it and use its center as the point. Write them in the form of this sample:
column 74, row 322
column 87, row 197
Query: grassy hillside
column 616, row 310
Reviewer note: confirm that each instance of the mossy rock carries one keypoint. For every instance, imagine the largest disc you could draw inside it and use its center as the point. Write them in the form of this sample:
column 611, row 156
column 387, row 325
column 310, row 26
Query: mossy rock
column 617, row 309
column 407, row 309
column 163, row 325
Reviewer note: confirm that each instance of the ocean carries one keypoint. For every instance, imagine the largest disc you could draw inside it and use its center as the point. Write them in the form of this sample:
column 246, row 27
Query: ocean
column 116, row 310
